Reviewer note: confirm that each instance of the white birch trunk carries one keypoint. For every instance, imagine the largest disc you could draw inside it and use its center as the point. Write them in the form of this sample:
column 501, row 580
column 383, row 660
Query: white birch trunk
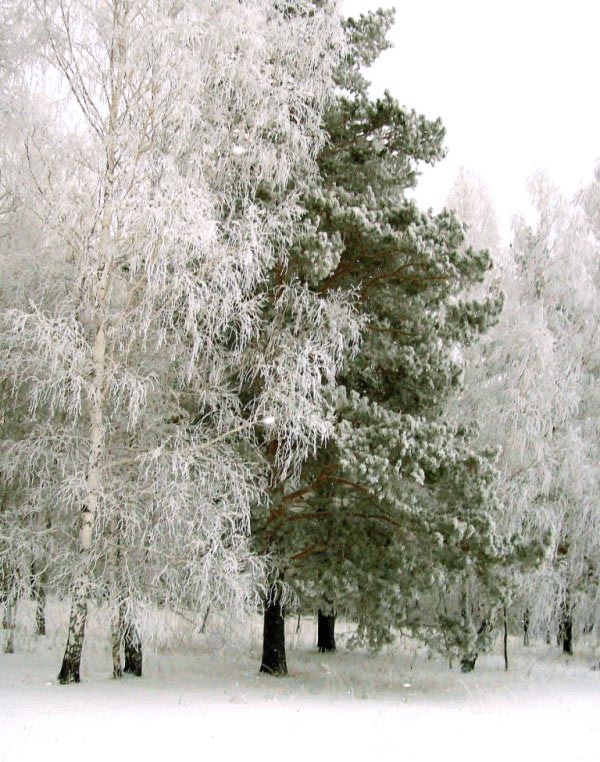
column 116, row 599
column 80, row 591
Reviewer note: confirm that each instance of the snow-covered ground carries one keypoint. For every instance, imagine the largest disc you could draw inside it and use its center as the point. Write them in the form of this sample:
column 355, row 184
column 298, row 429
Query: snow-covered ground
column 202, row 698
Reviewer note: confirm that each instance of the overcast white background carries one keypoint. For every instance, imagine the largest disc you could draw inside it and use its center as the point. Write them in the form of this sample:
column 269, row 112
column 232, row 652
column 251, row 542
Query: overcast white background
column 515, row 83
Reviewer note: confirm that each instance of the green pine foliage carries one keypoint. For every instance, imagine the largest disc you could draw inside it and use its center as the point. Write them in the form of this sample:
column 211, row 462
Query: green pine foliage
column 390, row 517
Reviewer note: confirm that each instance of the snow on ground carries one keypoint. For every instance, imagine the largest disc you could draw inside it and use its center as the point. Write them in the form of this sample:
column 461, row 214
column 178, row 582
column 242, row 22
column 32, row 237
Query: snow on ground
column 202, row 698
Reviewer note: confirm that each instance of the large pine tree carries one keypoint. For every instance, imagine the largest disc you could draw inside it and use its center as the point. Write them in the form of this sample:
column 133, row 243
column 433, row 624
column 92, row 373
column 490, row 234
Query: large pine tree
column 397, row 507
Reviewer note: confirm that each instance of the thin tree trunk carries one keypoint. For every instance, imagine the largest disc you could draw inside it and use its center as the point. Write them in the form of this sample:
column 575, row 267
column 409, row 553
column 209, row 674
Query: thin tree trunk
column 116, row 600
column 273, row 655
column 448, row 651
column 116, row 638
column 38, row 590
column 326, row 631
column 469, row 656
column 39, row 578
column 526, row 622
column 40, row 606
column 8, row 620
column 40, row 612
column 205, row 619
column 132, row 645
column 505, row 640
column 566, row 629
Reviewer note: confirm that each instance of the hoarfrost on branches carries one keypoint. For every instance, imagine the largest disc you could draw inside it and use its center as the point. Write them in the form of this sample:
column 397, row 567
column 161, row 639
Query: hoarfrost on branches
column 532, row 384
column 159, row 123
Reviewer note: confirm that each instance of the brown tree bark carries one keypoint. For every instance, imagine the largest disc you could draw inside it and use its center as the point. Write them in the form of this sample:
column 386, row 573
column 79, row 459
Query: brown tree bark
column 326, row 631
column 273, row 655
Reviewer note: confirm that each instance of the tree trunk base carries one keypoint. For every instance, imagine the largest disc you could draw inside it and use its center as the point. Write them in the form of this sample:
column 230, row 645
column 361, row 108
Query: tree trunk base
column 566, row 635
column 9, row 621
column 280, row 671
column 505, row 646
column 9, row 647
column 325, row 632
column 40, row 624
column 39, row 596
column 69, row 672
column 273, row 656
column 116, row 652
column 133, row 654
column 467, row 663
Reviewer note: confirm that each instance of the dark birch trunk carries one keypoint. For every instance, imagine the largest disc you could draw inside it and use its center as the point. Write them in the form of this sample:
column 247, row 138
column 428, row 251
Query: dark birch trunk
column 40, row 611
column 126, row 644
column 38, row 590
column 116, row 638
column 326, row 632
column 505, row 640
column 205, row 620
column 39, row 579
column 132, row 646
column 565, row 628
column 526, row 621
column 566, row 633
column 116, row 597
column 273, row 655
column 69, row 671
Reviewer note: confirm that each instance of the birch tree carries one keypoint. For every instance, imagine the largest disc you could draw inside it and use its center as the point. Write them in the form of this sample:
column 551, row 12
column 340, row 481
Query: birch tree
column 21, row 540
column 569, row 286
column 170, row 119
column 529, row 383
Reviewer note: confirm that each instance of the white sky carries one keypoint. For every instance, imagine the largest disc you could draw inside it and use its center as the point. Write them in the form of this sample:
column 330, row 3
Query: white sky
column 516, row 84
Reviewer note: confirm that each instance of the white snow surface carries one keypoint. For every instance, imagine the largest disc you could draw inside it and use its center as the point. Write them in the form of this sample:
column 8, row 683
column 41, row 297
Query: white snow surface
column 202, row 698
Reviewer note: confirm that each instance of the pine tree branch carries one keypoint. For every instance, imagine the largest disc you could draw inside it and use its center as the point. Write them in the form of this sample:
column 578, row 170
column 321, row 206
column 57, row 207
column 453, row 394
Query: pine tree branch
column 382, row 329
column 341, row 269
column 355, row 485
column 308, row 552
column 320, row 478
column 383, row 276
column 321, row 514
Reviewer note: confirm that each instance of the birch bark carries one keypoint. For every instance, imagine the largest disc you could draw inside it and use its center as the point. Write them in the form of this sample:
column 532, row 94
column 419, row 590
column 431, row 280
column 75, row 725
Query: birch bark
column 70, row 670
